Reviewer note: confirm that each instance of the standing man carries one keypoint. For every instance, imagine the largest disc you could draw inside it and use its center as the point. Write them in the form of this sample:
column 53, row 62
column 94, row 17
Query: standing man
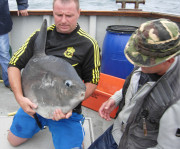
column 149, row 103
column 65, row 39
column 5, row 28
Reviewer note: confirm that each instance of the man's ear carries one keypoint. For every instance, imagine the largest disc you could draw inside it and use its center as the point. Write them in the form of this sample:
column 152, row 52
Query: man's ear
column 79, row 12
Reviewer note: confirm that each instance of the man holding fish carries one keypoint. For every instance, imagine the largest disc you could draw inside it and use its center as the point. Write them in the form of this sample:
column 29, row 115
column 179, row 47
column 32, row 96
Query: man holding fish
column 68, row 41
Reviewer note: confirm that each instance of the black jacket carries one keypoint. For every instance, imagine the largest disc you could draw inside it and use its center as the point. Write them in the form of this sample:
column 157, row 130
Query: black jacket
column 5, row 18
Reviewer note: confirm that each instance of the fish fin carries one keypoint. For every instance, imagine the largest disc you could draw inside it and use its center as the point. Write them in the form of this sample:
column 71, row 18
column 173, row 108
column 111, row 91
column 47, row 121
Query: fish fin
column 40, row 42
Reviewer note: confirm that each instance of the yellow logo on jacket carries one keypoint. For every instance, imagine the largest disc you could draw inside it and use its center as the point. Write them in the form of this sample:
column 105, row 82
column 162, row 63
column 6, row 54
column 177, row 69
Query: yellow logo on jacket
column 69, row 52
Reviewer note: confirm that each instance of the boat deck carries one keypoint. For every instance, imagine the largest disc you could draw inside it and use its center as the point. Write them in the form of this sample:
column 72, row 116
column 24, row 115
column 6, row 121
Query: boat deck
column 94, row 125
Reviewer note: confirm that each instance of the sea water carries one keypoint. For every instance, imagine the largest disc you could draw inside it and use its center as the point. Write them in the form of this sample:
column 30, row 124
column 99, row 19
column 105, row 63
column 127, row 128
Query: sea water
column 162, row 6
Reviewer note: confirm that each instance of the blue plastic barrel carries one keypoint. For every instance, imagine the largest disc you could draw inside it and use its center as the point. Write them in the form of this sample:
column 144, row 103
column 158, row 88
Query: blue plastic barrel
column 114, row 61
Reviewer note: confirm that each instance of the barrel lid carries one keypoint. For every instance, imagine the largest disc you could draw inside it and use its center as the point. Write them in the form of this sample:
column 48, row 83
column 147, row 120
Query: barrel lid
column 121, row 28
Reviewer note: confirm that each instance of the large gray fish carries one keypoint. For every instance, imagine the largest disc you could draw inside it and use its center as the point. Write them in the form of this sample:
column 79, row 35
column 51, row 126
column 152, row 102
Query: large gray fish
column 51, row 82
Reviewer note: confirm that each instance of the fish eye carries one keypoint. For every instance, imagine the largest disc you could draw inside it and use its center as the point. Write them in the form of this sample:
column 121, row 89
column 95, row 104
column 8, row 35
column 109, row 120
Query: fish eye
column 68, row 83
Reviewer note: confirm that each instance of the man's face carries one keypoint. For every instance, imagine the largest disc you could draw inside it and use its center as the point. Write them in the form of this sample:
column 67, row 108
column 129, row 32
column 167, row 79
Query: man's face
column 158, row 69
column 65, row 16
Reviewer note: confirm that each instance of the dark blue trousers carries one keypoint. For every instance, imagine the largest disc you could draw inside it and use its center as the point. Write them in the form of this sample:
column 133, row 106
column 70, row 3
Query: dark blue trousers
column 105, row 141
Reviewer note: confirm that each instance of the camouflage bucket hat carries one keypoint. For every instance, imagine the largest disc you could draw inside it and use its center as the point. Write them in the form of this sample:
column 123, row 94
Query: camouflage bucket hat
column 153, row 43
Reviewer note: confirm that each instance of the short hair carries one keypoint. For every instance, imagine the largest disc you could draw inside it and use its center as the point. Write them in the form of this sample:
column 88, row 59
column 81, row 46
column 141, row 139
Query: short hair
column 67, row 1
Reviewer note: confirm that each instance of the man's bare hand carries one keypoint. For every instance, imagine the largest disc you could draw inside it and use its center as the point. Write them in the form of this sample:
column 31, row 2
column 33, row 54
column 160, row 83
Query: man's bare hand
column 22, row 12
column 106, row 108
column 58, row 114
column 27, row 106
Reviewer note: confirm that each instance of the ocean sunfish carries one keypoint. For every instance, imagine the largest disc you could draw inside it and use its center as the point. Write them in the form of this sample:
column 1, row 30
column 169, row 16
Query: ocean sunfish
column 51, row 82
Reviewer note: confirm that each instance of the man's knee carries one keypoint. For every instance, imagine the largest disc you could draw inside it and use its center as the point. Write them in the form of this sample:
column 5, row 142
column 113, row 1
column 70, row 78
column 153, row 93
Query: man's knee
column 14, row 140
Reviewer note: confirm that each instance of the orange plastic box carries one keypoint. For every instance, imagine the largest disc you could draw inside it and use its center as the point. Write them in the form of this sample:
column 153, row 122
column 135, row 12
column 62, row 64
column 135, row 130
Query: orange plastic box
column 107, row 86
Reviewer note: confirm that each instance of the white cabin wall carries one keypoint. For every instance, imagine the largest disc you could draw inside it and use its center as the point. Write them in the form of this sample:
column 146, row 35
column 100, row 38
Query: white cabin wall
column 96, row 26
column 84, row 23
column 23, row 27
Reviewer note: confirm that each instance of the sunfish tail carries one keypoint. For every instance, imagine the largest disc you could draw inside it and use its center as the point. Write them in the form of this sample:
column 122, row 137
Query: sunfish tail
column 40, row 43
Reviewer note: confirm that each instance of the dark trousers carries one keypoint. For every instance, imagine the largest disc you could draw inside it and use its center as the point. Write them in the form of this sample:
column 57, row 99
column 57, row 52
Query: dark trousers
column 105, row 141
